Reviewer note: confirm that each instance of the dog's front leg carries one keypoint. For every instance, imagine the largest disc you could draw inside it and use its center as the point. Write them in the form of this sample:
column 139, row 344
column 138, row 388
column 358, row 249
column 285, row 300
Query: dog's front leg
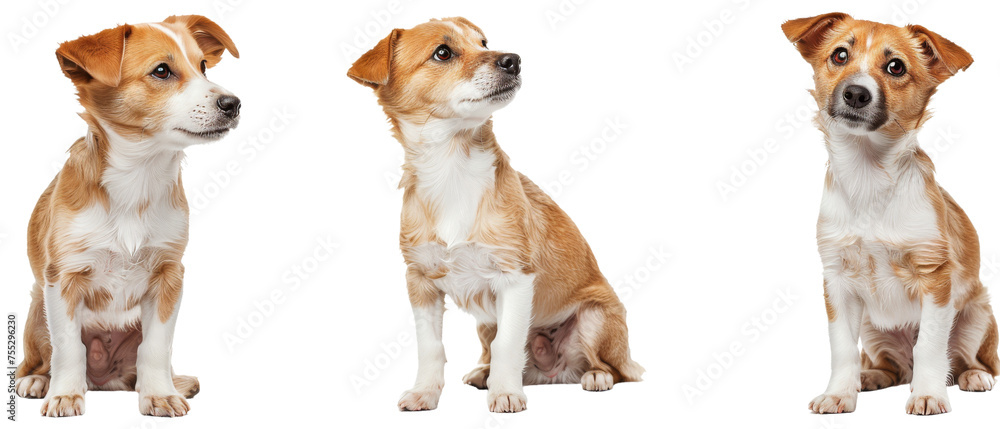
column 929, row 394
column 157, row 394
column 69, row 356
column 428, row 313
column 514, row 292
column 844, row 312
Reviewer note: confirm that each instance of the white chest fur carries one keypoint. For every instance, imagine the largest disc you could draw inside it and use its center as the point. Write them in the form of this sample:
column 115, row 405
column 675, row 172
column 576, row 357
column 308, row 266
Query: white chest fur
column 870, row 218
column 118, row 240
column 452, row 179
column 453, row 182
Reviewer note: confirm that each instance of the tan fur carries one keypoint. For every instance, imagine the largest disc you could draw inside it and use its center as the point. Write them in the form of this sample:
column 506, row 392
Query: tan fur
column 110, row 72
column 927, row 271
column 831, row 312
column 533, row 234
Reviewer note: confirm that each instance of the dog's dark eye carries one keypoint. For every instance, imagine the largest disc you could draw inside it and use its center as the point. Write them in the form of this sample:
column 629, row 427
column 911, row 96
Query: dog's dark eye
column 161, row 72
column 484, row 43
column 204, row 66
column 895, row 67
column 443, row 53
column 839, row 56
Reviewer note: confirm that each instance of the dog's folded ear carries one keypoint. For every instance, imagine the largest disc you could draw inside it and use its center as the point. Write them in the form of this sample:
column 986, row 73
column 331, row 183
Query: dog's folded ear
column 373, row 68
column 944, row 58
column 211, row 38
column 808, row 33
column 97, row 57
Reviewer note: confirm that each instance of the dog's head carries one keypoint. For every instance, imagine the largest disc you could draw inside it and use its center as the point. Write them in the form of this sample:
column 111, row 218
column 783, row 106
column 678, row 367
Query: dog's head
column 148, row 81
column 441, row 69
column 872, row 77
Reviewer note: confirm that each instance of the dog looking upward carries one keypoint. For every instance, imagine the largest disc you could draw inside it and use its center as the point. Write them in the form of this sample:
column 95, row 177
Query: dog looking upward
column 480, row 232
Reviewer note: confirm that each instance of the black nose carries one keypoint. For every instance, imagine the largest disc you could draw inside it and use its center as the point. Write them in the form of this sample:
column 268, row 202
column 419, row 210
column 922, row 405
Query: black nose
column 857, row 96
column 510, row 63
column 229, row 105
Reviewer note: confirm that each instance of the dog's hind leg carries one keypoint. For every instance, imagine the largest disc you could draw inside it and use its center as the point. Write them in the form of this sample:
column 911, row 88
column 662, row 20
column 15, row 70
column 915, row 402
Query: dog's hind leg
column 33, row 372
column 604, row 341
column 973, row 346
column 887, row 356
column 187, row 385
column 478, row 376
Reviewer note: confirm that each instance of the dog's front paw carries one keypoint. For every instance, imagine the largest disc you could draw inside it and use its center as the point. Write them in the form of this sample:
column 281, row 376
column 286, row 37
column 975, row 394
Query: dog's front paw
column 163, row 405
column 419, row 400
column 928, row 404
column 507, row 402
column 63, row 405
column 477, row 377
column 834, row 404
column 975, row 380
column 32, row 386
column 597, row 380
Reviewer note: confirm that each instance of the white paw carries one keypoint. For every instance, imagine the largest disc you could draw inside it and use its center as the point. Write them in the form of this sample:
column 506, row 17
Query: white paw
column 507, row 402
column 834, row 404
column 419, row 400
column 928, row 404
column 975, row 380
column 596, row 381
column 171, row 405
column 63, row 405
column 32, row 386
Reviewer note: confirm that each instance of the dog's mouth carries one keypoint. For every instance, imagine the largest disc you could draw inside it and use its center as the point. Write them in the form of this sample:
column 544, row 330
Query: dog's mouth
column 850, row 117
column 854, row 120
column 502, row 93
column 205, row 135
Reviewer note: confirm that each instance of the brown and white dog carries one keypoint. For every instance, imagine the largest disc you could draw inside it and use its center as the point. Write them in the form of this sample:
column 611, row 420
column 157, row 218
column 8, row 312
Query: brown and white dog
column 900, row 257
column 480, row 232
column 106, row 238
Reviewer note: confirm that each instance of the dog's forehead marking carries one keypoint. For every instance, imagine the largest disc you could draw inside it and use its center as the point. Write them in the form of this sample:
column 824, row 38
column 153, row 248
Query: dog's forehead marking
column 173, row 35
column 458, row 29
column 863, row 51
column 178, row 41
column 461, row 30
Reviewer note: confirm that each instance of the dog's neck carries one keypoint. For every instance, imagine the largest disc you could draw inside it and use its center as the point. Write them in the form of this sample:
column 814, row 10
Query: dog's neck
column 871, row 169
column 451, row 170
column 429, row 142
column 134, row 174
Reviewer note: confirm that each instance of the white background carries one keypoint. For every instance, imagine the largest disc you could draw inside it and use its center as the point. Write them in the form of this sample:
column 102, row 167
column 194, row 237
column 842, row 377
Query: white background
column 328, row 175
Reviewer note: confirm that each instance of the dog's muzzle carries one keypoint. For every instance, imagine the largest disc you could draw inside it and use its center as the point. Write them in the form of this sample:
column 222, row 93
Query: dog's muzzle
column 858, row 101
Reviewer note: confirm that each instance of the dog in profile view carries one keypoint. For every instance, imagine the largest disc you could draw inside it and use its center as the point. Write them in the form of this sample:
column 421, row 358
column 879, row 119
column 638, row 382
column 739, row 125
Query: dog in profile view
column 484, row 234
column 106, row 238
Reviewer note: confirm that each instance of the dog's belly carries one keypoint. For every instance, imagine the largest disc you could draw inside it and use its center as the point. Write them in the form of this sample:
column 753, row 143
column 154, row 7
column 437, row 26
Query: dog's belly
column 111, row 357
column 555, row 354
column 112, row 333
